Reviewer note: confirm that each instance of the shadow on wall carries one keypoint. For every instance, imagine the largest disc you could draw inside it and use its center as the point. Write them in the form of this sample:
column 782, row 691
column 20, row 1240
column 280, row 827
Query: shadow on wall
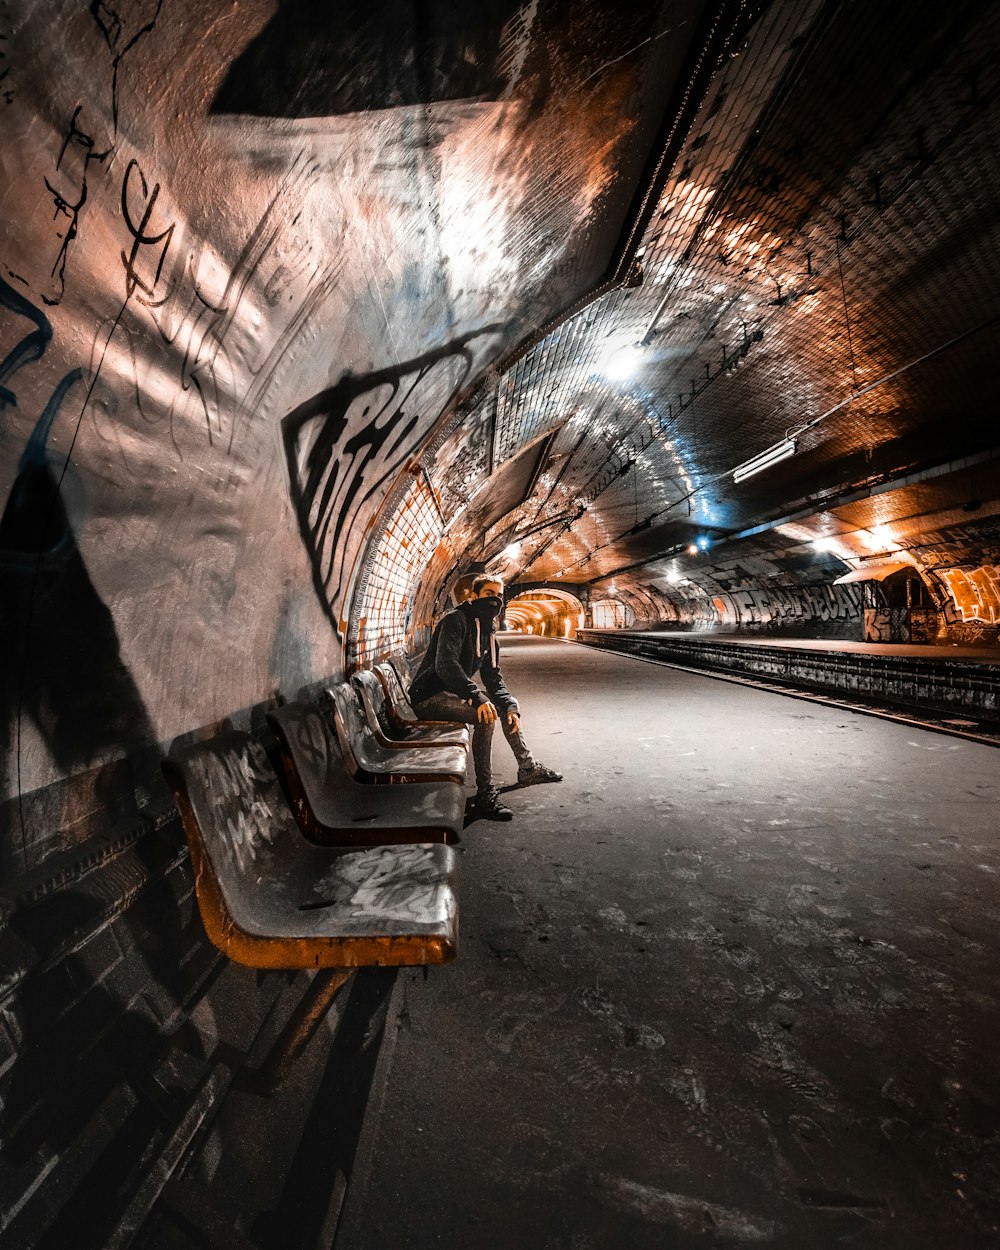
column 347, row 445
column 90, row 1021
column 317, row 60
column 62, row 667
column 87, row 1014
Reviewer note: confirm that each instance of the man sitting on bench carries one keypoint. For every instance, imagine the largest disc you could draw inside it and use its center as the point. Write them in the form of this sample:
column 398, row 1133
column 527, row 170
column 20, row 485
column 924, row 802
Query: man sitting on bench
column 465, row 643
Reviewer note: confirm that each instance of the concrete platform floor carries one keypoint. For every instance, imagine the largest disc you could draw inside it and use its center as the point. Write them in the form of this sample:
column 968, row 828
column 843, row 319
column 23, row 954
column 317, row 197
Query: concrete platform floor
column 732, row 983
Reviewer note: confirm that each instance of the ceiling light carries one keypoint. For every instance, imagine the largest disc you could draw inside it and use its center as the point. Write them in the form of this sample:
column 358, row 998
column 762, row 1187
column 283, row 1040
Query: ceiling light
column 621, row 362
column 879, row 538
column 780, row 451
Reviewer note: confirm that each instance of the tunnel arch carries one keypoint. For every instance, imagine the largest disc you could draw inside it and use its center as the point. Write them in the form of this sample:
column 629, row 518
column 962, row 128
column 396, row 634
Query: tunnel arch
column 545, row 610
column 680, row 317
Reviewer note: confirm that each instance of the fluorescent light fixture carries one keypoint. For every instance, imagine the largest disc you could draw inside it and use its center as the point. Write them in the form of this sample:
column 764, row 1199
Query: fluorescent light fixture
column 780, row 451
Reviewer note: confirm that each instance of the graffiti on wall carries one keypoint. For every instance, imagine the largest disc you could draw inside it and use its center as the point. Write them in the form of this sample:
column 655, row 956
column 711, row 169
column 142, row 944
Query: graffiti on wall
column 123, row 23
column 161, row 291
column 183, row 307
column 86, row 147
column 147, row 253
column 347, row 445
column 159, row 362
column 777, row 607
column 27, row 346
column 179, row 305
column 916, row 625
column 975, row 593
column 764, row 610
column 886, row 625
column 68, row 189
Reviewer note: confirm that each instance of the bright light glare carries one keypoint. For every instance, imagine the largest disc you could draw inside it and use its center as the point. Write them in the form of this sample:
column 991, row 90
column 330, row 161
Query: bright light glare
column 879, row 538
column 512, row 552
column 824, row 544
column 620, row 363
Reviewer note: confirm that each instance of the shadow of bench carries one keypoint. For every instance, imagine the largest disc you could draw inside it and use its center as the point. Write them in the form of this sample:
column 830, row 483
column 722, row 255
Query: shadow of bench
column 332, row 808
column 270, row 899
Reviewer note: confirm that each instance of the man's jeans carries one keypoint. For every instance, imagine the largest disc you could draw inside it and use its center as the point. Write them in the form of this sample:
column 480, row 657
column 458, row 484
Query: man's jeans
column 445, row 706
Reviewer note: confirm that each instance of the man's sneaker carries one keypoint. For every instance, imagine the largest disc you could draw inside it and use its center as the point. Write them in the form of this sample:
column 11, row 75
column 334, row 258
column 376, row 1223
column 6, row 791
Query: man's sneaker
column 487, row 806
column 536, row 775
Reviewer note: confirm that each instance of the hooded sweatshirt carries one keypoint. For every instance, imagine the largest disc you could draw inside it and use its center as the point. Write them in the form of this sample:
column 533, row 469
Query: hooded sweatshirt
column 463, row 644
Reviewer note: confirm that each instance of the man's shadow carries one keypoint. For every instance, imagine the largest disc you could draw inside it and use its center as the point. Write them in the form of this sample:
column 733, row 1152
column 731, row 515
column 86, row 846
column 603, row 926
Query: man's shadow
column 63, row 672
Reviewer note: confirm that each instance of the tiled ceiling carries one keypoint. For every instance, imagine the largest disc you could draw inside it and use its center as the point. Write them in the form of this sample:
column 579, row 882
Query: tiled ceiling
column 822, row 263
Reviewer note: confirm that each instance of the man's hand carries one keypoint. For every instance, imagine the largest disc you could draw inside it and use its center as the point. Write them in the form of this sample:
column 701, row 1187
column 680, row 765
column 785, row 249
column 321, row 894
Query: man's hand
column 486, row 713
column 514, row 720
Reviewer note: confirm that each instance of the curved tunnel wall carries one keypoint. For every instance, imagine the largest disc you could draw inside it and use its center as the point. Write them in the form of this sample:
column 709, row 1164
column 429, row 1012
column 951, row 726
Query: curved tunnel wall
column 550, row 612
column 781, row 286
column 308, row 311
column 239, row 286
column 299, row 321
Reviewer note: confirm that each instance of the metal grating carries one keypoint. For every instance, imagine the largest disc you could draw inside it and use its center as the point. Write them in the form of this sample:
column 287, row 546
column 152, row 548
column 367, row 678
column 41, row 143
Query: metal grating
column 411, row 537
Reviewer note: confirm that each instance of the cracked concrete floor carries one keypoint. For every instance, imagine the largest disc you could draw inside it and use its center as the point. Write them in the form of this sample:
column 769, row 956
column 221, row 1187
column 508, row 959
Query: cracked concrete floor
column 733, row 982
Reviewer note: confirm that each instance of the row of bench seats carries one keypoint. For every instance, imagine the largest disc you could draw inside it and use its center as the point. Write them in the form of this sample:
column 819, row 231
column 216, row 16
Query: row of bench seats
column 344, row 861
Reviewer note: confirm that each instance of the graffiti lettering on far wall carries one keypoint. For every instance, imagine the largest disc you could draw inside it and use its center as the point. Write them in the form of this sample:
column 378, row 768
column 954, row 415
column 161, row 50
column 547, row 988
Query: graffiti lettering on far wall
column 975, row 592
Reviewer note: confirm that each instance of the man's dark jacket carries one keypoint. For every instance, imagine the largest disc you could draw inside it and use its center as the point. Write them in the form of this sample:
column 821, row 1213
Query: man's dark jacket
column 462, row 645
